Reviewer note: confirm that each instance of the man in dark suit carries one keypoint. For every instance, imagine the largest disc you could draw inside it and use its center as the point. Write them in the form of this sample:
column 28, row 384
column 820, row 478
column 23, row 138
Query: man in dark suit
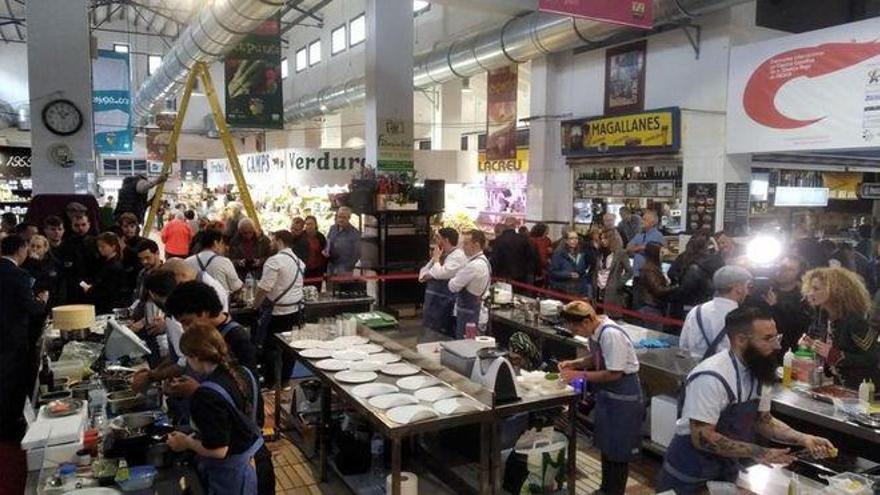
column 79, row 257
column 512, row 256
column 17, row 306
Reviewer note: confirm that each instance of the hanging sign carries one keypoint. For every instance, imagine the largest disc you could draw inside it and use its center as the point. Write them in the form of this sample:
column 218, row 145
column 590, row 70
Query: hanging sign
column 253, row 79
column 657, row 131
column 295, row 166
column 395, row 147
column 501, row 113
column 634, row 13
column 111, row 102
column 814, row 91
column 159, row 138
column 520, row 164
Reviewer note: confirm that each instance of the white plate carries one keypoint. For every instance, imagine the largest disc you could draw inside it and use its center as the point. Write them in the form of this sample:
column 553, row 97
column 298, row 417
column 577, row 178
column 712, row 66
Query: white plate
column 305, row 344
column 433, row 394
column 385, row 357
column 392, row 400
column 332, row 365
column 97, row 490
column 368, row 348
column 410, row 414
column 315, row 353
column 349, row 355
column 373, row 389
column 351, row 340
column 356, row 376
column 332, row 345
column 401, row 369
column 417, row 382
column 367, row 365
column 455, row 405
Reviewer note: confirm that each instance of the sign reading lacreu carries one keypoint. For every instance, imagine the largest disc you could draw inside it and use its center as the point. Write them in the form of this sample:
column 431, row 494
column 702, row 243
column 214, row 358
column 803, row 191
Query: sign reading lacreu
column 656, row 131
column 294, row 166
column 520, row 164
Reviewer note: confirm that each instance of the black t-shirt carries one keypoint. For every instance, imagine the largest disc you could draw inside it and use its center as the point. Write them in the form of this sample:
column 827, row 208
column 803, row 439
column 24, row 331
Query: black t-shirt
column 240, row 347
column 218, row 423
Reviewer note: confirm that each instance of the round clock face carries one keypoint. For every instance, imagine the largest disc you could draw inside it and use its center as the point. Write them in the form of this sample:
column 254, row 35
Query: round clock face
column 62, row 117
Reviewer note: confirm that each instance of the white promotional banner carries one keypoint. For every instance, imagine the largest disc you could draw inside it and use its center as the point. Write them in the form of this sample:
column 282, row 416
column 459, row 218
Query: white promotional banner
column 292, row 166
column 813, row 91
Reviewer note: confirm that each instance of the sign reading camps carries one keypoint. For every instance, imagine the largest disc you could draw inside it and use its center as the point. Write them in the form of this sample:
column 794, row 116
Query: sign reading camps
column 813, row 91
column 657, row 131
column 293, row 166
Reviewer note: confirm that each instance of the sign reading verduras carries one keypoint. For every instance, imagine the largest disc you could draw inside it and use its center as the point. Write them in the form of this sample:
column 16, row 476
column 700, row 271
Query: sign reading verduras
column 635, row 13
column 253, row 79
column 657, row 131
column 501, row 113
column 295, row 166
column 814, row 91
column 111, row 101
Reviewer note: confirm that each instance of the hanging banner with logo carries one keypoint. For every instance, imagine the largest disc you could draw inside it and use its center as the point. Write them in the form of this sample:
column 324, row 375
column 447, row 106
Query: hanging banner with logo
column 253, row 79
column 111, row 102
column 395, row 153
column 814, row 91
column 657, row 131
column 634, row 13
column 501, row 113
column 300, row 166
column 520, row 164
column 159, row 139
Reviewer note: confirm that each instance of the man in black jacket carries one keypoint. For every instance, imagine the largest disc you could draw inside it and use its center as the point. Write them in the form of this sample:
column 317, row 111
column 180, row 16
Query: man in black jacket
column 79, row 259
column 791, row 313
column 512, row 255
column 17, row 306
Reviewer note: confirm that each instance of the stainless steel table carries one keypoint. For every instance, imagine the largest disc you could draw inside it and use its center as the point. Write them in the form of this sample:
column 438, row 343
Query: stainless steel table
column 800, row 406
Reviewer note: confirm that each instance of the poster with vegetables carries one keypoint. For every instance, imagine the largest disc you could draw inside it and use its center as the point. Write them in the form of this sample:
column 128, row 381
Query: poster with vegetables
column 253, row 80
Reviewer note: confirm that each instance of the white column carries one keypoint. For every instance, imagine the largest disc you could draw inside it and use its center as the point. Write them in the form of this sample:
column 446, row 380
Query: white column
column 60, row 67
column 448, row 130
column 389, row 73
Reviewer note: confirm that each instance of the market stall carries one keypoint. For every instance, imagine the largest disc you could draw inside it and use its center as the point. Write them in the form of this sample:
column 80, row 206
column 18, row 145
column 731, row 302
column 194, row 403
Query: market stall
column 15, row 180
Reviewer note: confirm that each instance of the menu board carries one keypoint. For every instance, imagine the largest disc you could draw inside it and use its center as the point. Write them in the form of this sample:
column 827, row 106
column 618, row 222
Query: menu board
column 736, row 208
column 702, row 198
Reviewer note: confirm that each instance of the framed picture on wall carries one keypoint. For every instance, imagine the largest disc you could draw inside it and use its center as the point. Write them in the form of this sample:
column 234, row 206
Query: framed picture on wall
column 625, row 78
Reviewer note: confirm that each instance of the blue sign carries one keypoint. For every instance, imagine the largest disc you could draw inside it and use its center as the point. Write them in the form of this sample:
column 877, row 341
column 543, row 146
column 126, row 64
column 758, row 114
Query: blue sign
column 111, row 101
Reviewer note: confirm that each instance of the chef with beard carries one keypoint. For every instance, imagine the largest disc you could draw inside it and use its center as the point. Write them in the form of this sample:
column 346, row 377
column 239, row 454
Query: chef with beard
column 726, row 407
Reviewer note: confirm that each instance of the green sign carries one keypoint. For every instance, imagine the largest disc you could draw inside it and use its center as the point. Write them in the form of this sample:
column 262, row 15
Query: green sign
column 253, row 80
column 395, row 146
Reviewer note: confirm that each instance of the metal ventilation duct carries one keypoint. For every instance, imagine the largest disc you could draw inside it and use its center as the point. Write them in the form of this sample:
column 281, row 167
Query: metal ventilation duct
column 7, row 115
column 519, row 40
column 220, row 25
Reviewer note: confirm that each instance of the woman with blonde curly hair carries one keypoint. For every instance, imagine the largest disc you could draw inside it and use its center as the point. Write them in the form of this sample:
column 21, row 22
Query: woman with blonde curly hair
column 844, row 338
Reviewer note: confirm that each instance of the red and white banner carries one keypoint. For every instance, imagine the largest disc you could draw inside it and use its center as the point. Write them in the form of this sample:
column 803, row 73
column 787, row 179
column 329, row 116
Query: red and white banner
column 813, row 91
column 634, row 13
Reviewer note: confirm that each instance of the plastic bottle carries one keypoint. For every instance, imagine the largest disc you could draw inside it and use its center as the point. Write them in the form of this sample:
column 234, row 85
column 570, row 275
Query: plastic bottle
column 787, row 361
column 865, row 395
column 872, row 391
column 122, row 472
column 249, row 284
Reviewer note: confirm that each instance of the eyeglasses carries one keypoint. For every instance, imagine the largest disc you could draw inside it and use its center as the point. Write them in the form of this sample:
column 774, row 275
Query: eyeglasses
column 772, row 339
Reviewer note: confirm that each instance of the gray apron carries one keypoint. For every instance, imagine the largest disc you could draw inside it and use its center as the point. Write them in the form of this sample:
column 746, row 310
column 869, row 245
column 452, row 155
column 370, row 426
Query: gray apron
column 467, row 305
column 437, row 310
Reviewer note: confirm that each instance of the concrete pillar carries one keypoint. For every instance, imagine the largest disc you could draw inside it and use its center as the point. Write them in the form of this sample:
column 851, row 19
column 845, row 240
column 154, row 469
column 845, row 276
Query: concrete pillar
column 59, row 67
column 389, row 73
column 549, row 177
column 447, row 135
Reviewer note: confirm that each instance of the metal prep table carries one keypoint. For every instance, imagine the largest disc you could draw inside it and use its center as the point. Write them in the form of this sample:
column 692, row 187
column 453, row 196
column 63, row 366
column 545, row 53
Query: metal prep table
column 325, row 306
column 488, row 419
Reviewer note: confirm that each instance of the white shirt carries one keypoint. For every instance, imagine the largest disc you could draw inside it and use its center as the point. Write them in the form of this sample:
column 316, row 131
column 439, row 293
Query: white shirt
column 706, row 397
column 713, row 314
column 446, row 270
column 221, row 268
column 474, row 276
column 604, row 273
column 174, row 330
column 617, row 350
column 207, row 279
column 279, row 272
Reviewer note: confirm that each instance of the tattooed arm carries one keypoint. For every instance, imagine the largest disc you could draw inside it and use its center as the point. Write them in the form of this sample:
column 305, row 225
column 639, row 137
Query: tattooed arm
column 773, row 429
column 705, row 438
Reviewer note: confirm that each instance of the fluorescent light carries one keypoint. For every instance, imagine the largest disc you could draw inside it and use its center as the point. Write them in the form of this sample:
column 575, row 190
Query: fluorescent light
column 420, row 5
column 764, row 249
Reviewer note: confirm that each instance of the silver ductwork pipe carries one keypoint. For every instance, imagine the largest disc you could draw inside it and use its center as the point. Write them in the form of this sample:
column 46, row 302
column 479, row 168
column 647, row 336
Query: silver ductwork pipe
column 219, row 27
column 519, row 40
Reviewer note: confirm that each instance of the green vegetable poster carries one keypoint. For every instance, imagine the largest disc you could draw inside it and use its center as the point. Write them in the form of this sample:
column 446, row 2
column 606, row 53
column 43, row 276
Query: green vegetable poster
column 253, row 80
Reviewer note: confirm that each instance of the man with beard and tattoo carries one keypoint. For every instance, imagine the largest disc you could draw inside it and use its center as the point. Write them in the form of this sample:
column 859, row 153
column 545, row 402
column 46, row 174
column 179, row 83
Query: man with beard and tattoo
column 726, row 407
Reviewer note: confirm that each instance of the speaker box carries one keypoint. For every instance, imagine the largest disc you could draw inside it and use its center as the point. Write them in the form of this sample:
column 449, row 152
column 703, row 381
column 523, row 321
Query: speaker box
column 434, row 196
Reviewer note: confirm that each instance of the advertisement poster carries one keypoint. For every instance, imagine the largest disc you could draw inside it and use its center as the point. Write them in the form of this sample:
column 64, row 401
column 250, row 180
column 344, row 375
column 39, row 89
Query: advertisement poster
column 111, row 102
column 501, row 113
column 395, row 146
column 634, row 13
column 625, row 78
column 657, row 131
column 701, row 199
column 814, row 91
column 159, row 139
column 253, row 79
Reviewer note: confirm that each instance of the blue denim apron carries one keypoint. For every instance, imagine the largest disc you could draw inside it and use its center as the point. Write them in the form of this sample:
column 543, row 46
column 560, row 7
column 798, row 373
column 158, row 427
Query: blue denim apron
column 437, row 310
column 619, row 411
column 711, row 346
column 467, row 305
column 687, row 469
column 204, row 266
column 234, row 475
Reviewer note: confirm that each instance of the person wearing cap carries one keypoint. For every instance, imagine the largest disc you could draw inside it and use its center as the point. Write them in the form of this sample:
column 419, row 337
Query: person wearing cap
column 614, row 378
column 703, row 331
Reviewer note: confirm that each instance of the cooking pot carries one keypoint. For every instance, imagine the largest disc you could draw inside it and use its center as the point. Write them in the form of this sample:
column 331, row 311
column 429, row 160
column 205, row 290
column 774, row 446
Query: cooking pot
column 127, row 426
